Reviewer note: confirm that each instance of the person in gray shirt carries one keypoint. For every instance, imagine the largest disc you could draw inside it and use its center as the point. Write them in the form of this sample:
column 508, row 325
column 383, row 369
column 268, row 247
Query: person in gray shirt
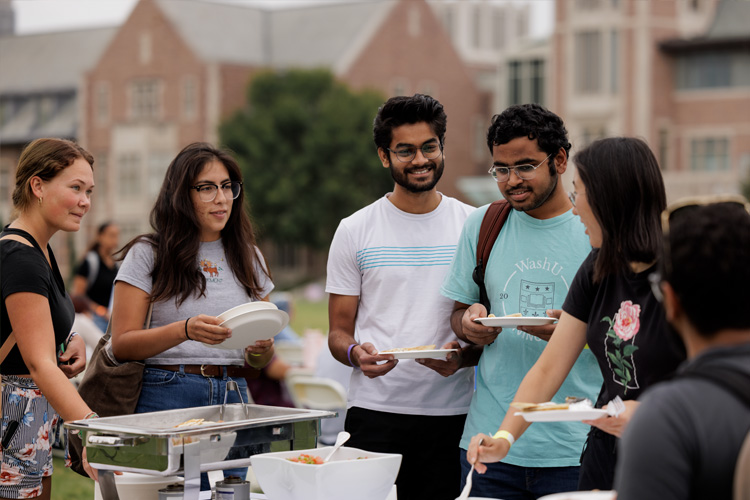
column 684, row 440
column 200, row 260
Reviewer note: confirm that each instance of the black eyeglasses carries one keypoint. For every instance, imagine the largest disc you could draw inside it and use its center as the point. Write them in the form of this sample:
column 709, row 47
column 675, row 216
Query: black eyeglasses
column 207, row 192
column 525, row 172
column 406, row 154
column 667, row 216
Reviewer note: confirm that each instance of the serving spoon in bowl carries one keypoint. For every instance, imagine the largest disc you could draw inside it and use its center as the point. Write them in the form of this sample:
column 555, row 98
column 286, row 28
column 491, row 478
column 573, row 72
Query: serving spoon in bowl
column 342, row 438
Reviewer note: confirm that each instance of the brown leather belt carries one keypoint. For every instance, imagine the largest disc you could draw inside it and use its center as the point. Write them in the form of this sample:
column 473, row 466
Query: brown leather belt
column 213, row 370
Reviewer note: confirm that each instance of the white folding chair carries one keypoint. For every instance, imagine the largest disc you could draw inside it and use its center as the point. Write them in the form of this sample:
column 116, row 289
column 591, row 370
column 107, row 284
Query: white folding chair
column 315, row 393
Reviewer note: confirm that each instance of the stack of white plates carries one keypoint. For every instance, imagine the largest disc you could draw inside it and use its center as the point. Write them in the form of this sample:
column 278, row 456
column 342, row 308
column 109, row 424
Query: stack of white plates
column 250, row 322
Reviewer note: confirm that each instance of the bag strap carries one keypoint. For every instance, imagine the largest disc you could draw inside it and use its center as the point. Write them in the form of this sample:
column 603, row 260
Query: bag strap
column 92, row 259
column 732, row 380
column 7, row 346
column 493, row 221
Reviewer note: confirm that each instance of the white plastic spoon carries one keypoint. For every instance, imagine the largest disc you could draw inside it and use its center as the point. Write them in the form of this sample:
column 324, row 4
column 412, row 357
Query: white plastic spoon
column 342, row 438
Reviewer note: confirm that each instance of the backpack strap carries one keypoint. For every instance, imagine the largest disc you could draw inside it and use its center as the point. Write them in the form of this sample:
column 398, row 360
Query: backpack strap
column 493, row 221
column 732, row 380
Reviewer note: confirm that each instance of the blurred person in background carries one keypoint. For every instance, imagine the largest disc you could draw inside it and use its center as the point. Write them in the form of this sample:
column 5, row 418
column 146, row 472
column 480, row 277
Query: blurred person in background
column 610, row 307
column 268, row 387
column 533, row 260
column 96, row 274
column 385, row 267
column 200, row 260
column 52, row 193
column 685, row 439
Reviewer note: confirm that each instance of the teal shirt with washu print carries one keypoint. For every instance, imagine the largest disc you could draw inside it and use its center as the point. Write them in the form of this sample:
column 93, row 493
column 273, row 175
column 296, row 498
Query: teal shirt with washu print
column 530, row 270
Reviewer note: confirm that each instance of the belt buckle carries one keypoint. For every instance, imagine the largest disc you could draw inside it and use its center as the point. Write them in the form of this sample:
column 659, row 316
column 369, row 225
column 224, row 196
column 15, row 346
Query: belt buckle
column 203, row 374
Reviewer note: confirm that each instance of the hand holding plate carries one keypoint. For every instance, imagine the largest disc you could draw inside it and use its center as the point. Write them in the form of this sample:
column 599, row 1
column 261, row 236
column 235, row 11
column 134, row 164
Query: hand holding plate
column 476, row 332
column 206, row 329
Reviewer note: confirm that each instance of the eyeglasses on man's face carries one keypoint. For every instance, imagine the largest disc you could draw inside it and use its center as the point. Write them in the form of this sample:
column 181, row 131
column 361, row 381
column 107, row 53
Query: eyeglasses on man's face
column 524, row 172
column 207, row 192
column 431, row 150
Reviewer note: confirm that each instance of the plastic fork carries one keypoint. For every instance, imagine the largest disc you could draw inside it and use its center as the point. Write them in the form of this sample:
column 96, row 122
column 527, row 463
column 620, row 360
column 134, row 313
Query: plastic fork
column 615, row 407
column 467, row 488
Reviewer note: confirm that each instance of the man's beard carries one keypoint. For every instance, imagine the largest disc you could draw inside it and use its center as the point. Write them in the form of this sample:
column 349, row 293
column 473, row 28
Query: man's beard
column 401, row 177
column 536, row 200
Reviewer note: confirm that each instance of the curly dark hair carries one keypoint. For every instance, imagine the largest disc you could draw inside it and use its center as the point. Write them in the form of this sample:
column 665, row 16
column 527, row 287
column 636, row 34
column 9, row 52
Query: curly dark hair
column 176, row 236
column 533, row 121
column 709, row 251
column 401, row 110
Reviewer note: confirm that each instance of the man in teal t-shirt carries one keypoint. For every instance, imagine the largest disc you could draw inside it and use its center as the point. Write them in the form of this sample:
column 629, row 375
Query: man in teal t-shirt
column 529, row 271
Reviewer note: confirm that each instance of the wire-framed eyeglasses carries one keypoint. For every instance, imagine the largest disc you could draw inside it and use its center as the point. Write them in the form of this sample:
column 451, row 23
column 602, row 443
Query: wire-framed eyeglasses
column 207, row 192
column 525, row 172
column 431, row 150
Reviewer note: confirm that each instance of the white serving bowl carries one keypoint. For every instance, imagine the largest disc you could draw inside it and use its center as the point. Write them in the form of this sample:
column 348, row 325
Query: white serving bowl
column 344, row 475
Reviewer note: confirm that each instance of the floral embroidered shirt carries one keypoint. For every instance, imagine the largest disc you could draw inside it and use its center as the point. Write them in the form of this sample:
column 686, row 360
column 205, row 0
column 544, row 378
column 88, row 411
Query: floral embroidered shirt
column 626, row 330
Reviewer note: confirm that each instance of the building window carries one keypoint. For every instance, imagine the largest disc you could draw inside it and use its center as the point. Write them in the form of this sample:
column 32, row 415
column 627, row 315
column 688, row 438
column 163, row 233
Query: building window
column 477, row 27
column 5, row 182
column 498, row 31
column 480, row 138
column 588, row 63
column 663, row 148
column 45, row 108
column 428, row 87
column 145, row 99
column 614, row 61
column 129, row 170
column 526, row 81
column 145, row 48
column 157, row 169
column 588, row 4
column 400, row 87
column 709, row 154
column 101, row 175
column 592, row 133
column 189, row 97
column 101, row 102
column 708, row 70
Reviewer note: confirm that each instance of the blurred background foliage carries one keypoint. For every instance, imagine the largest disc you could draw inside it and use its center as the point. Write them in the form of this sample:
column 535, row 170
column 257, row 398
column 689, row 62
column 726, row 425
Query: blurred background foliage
column 304, row 143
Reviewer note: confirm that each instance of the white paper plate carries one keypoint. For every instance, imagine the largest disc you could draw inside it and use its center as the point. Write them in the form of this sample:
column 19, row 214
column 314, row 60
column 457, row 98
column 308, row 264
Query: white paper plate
column 515, row 321
column 562, row 415
column 247, row 307
column 424, row 354
column 250, row 326
column 581, row 495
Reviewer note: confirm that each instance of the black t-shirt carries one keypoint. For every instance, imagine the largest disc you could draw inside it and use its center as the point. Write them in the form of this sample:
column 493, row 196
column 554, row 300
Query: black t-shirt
column 626, row 330
column 100, row 289
column 25, row 269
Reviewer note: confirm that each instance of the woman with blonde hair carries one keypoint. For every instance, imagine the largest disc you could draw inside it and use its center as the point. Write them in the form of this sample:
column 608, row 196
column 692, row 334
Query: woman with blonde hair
column 54, row 182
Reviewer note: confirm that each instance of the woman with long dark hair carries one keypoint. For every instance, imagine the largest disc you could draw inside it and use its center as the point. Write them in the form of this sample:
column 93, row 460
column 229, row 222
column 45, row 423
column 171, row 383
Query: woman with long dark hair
column 54, row 182
column 610, row 308
column 200, row 260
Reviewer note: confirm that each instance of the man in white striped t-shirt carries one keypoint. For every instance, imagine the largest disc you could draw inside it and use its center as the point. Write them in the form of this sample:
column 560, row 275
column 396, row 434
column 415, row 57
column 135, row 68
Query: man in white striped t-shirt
column 385, row 267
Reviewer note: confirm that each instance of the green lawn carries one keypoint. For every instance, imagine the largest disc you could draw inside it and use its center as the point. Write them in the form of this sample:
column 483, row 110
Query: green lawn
column 67, row 485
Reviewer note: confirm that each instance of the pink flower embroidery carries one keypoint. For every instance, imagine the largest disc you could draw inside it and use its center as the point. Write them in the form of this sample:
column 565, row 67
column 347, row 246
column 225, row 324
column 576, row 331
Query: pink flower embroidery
column 627, row 322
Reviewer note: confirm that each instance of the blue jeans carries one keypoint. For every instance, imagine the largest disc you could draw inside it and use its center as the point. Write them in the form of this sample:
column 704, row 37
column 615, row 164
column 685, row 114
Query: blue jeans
column 167, row 390
column 512, row 482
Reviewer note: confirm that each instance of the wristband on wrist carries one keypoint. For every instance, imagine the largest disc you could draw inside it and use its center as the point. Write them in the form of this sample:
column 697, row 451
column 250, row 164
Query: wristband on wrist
column 349, row 353
column 70, row 337
column 186, row 333
column 505, row 435
column 93, row 414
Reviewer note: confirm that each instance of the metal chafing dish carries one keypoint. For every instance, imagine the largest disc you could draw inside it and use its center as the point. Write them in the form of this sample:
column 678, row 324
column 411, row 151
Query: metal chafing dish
column 150, row 443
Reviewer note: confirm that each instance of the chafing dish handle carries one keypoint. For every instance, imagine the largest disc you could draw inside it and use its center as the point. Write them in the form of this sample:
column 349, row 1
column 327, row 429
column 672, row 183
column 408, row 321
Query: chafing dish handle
column 115, row 441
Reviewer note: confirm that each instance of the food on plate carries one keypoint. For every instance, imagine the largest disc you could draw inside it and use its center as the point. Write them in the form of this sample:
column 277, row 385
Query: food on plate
column 307, row 459
column 539, row 406
column 514, row 315
column 194, row 421
column 404, row 349
column 490, row 315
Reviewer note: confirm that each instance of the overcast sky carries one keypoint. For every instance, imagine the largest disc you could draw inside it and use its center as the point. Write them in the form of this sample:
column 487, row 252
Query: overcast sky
column 33, row 16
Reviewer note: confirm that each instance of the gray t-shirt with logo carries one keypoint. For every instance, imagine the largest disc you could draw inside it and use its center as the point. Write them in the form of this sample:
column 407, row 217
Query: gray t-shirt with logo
column 222, row 292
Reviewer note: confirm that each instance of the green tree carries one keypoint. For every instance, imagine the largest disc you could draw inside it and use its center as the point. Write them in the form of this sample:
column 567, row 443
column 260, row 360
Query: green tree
column 304, row 143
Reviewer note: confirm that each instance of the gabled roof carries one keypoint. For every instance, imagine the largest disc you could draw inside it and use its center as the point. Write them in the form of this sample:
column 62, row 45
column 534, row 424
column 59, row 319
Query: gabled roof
column 307, row 36
column 729, row 29
column 60, row 59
